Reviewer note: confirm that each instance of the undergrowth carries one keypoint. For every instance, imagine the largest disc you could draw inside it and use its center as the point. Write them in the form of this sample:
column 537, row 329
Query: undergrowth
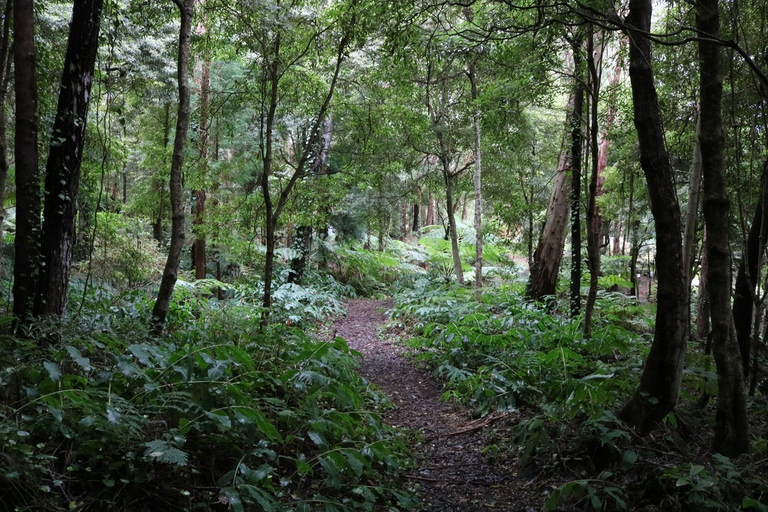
column 503, row 353
column 96, row 415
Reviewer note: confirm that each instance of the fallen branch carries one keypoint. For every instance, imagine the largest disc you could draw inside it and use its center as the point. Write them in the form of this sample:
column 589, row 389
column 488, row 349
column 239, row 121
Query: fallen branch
column 472, row 426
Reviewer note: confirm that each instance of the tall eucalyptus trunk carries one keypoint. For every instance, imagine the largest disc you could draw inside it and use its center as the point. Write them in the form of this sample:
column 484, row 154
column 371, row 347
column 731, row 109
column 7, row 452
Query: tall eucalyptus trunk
column 549, row 249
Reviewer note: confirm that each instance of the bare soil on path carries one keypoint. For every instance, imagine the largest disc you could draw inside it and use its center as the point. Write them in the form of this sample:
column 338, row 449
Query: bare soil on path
column 461, row 463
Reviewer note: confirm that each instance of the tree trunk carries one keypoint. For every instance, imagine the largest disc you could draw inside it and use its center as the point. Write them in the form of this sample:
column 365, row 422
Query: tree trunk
column 171, row 271
column 303, row 163
column 303, row 245
column 660, row 383
column 27, row 242
column 748, row 273
column 477, row 182
column 452, row 227
column 431, row 207
column 691, row 216
column 549, row 250
column 5, row 71
column 416, row 220
column 576, row 149
column 199, row 246
column 62, row 171
column 702, row 306
column 731, row 425
column 593, row 216
column 404, row 223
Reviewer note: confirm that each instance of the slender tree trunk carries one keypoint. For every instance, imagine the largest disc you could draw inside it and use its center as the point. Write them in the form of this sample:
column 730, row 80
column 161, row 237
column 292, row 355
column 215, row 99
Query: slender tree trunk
column 452, row 227
column 691, row 217
column 746, row 279
column 576, row 149
column 199, row 246
column 5, row 71
column 303, row 163
column 171, row 271
column 659, row 387
column 731, row 425
column 416, row 220
column 157, row 224
column 27, row 241
column 62, row 171
column 702, row 306
column 266, row 149
column 477, row 182
column 404, row 223
column 431, row 206
column 593, row 216
column 549, row 250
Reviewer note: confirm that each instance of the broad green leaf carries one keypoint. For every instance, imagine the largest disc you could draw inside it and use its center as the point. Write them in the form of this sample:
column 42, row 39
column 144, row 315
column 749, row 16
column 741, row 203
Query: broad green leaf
column 82, row 361
column 221, row 418
column 54, row 372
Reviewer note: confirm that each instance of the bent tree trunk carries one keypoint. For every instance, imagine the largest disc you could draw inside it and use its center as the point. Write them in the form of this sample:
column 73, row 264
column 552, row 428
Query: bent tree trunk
column 659, row 386
column 62, row 171
column 731, row 425
column 171, row 271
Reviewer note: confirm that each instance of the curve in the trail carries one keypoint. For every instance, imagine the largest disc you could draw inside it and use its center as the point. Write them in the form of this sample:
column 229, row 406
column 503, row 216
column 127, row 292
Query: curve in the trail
column 456, row 468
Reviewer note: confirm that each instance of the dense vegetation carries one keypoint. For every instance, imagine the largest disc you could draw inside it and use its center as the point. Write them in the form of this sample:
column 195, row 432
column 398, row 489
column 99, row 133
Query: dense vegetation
column 190, row 190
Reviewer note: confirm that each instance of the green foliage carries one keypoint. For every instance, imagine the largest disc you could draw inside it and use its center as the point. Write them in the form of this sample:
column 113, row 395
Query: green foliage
column 369, row 273
column 218, row 411
column 503, row 352
column 123, row 254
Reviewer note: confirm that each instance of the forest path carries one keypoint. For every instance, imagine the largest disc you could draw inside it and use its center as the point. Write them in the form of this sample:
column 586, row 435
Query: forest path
column 457, row 464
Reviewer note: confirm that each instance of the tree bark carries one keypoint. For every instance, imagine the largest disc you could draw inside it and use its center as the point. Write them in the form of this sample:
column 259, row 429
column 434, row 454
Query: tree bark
column 691, row 217
column 659, row 387
column 748, row 273
column 549, row 249
column 27, row 242
column 199, row 246
column 576, row 149
column 5, row 71
column 477, row 181
column 702, row 306
column 449, row 178
column 731, row 425
column 171, row 271
column 592, row 214
column 62, row 171
column 302, row 245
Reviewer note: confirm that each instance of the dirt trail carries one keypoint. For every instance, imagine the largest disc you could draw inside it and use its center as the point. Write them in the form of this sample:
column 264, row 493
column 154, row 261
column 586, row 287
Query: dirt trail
column 459, row 466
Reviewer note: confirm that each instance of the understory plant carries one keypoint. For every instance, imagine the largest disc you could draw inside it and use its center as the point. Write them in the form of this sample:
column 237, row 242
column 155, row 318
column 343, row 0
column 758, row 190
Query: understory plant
column 96, row 415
